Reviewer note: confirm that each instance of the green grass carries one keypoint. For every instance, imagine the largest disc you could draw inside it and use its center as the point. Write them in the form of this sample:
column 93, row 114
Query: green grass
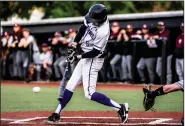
column 15, row 98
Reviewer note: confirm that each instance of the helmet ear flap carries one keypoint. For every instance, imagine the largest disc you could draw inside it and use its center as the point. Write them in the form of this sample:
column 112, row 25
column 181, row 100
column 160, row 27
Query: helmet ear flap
column 102, row 21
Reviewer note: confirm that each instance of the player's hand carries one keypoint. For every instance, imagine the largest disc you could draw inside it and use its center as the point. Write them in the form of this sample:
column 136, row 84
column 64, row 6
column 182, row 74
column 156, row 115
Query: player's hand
column 71, row 55
column 123, row 31
column 71, row 59
column 13, row 45
column 73, row 44
column 138, row 32
column 71, row 52
column 156, row 37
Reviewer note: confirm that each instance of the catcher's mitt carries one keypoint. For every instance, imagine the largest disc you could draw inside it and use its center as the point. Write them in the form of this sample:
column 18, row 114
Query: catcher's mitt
column 148, row 101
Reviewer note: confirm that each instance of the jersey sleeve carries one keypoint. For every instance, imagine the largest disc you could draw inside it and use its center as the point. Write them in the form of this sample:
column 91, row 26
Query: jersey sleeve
column 181, row 84
column 80, row 33
column 100, row 42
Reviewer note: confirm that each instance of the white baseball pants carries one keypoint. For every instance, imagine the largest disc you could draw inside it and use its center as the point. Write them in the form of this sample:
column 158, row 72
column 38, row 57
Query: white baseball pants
column 86, row 72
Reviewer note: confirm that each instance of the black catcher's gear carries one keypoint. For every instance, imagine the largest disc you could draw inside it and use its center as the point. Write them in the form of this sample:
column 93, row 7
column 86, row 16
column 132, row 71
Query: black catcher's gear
column 97, row 14
column 149, row 100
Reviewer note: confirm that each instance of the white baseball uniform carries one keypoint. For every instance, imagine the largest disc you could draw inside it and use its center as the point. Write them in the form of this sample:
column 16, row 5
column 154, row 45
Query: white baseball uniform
column 181, row 84
column 87, row 69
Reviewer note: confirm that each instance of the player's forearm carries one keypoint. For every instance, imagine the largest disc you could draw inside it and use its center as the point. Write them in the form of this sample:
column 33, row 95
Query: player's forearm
column 13, row 45
column 91, row 54
column 80, row 33
column 126, row 38
column 171, row 88
column 20, row 45
column 26, row 44
column 119, row 37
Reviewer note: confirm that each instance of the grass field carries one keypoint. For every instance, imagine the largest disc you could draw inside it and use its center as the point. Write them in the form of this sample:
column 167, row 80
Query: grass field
column 14, row 99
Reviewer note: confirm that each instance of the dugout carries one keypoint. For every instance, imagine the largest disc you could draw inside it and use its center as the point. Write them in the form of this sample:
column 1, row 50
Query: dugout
column 44, row 29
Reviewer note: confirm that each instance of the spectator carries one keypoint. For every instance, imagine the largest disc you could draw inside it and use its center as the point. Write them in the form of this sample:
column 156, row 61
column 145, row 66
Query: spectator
column 163, row 33
column 114, row 56
column 58, row 52
column 45, row 67
column 6, row 38
column 126, row 61
column 122, row 36
column 115, row 29
column 148, row 58
column 14, row 55
column 179, row 53
column 23, row 54
column 71, row 36
column 30, row 40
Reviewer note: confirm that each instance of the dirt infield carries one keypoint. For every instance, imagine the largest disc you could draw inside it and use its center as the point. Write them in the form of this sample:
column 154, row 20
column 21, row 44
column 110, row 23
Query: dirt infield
column 91, row 118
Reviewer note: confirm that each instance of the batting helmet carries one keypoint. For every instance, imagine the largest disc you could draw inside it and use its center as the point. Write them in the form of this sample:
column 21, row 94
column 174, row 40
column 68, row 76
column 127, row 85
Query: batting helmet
column 97, row 14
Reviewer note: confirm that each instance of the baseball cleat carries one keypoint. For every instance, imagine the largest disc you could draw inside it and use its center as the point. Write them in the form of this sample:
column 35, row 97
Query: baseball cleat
column 123, row 112
column 53, row 118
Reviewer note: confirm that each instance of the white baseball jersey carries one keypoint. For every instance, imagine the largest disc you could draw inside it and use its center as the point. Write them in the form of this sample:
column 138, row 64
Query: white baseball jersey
column 181, row 84
column 86, row 71
column 95, row 37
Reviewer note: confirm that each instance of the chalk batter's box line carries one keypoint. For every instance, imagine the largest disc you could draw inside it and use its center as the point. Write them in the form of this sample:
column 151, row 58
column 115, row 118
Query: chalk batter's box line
column 157, row 121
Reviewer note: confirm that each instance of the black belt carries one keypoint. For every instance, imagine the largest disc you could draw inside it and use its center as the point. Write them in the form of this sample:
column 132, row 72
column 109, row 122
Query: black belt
column 103, row 54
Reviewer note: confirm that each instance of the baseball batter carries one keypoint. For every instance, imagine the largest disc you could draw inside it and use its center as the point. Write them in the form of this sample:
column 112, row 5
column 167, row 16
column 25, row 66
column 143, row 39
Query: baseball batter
column 93, row 36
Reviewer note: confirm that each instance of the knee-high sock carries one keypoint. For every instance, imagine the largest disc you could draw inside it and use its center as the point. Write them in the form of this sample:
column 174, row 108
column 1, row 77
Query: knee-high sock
column 102, row 99
column 66, row 98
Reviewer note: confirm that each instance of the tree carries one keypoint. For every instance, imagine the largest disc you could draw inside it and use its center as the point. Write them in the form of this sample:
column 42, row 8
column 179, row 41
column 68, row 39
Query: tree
column 58, row 9
column 21, row 8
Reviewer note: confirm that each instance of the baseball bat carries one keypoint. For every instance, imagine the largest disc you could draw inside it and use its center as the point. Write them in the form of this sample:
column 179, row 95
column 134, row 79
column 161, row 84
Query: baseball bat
column 62, row 83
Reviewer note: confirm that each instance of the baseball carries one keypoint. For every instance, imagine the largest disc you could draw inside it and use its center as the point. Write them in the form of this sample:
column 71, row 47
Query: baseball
column 36, row 89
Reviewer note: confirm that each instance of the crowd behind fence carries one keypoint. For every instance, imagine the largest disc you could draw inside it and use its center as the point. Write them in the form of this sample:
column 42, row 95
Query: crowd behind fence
column 132, row 55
